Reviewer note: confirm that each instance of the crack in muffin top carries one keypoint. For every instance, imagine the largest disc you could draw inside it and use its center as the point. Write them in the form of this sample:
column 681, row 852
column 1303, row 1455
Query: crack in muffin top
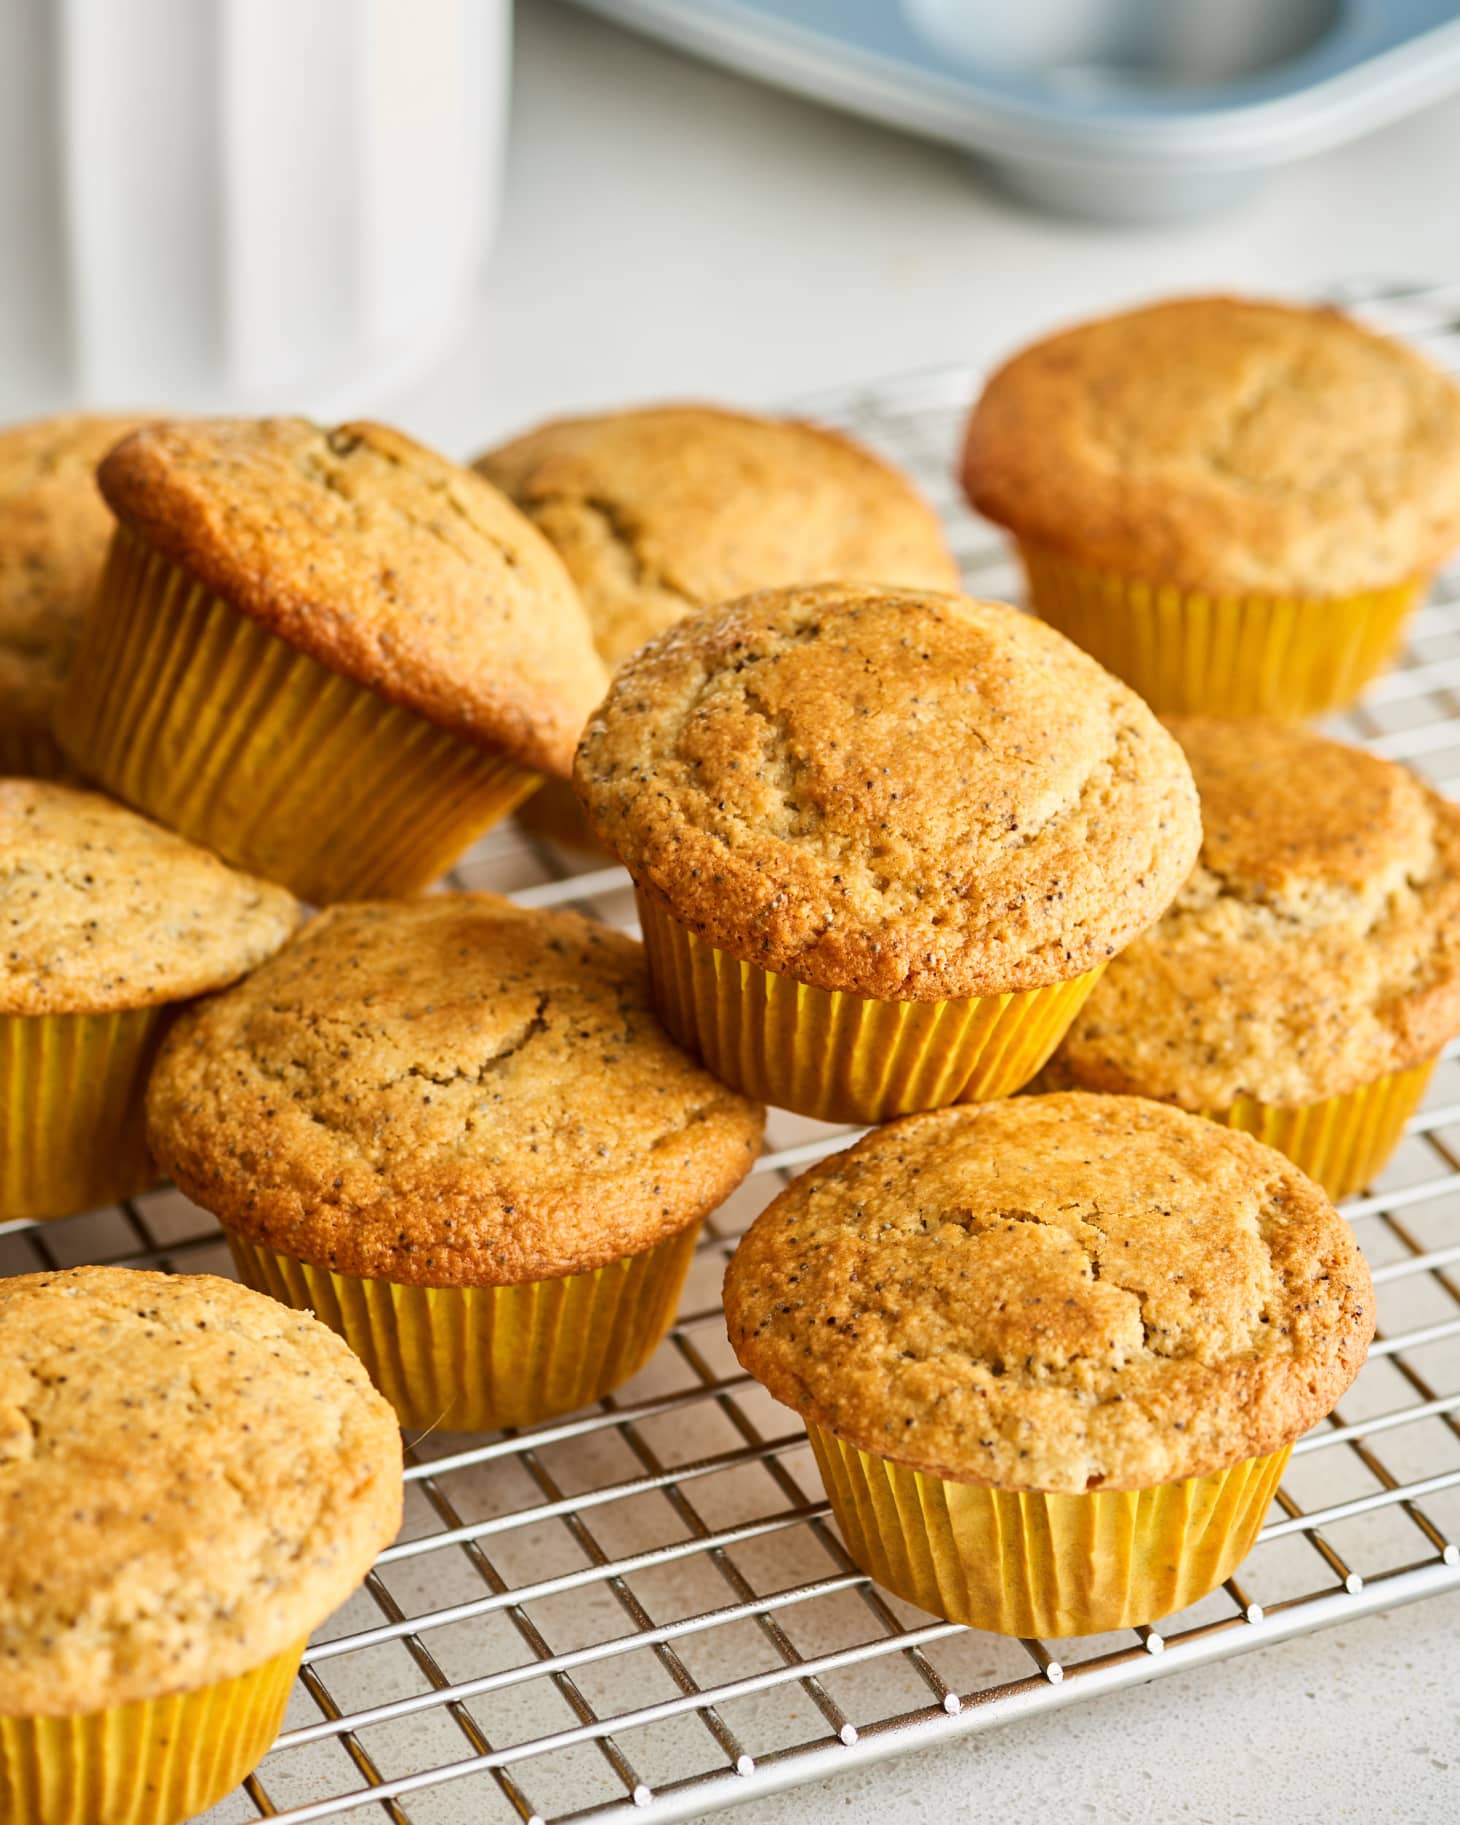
column 899, row 794
column 669, row 508
column 1057, row 1293
column 54, row 528
column 379, row 559
column 102, row 910
column 1224, row 444
column 192, row 1478
column 1315, row 947
column 447, row 1092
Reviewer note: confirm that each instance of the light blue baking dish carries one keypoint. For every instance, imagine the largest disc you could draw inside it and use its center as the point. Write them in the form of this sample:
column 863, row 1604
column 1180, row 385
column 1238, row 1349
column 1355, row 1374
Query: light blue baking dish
column 1120, row 109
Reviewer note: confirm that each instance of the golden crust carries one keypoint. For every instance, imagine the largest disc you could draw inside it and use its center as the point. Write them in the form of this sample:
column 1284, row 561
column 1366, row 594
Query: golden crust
column 1315, row 948
column 381, row 560
column 54, row 528
column 1057, row 1293
column 903, row 795
column 1224, row 444
column 192, row 1477
column 102, row 910
column 670, row 508
column 447, row 1092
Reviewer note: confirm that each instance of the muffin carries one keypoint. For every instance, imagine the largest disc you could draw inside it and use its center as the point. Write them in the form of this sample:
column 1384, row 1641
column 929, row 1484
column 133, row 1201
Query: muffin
column 883, row 841
column 106, row 923
column 1232, row 504
column 1052, row 1353
column 455, row 1130
column 192, row 1478
column 54, row 529
column 1306, row 978
column 670, row 508
column 331, row 656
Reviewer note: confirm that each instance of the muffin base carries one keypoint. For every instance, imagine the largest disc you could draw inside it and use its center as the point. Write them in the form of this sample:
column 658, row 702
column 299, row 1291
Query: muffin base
column 840, row 1057
column 155, row 1762
column 199, row 717
column 1182, row 650
column 30, row 754
column 1343, row 1141
column 72, row 1134
column 473, row 1359
column 1024, row 1563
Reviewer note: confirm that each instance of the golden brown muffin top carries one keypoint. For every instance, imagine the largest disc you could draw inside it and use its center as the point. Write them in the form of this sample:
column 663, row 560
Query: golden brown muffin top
column 447, row 1092
column 899, row 794
column 192, row 1477
column 671, row 508
column 1224, row 444
column 102, row 910
column 54, row 528
column 381, row 560
column 1315, row 947
column 1058, row 1293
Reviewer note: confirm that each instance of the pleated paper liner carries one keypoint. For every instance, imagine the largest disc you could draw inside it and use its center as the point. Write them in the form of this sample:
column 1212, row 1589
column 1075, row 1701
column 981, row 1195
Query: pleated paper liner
column 1343, row 1142
column 473, row 1359
column 155, row 1762
column 197, row 716
column 840, row 1057
column 1022, row 1563
column 1288, row 657
column 71, row 1127
column 29, row 754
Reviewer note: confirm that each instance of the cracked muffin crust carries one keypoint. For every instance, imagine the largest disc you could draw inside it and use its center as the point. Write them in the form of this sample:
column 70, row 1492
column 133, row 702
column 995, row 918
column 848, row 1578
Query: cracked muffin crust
column 1058, row 1293
column 101, row 910
column 670, row 508
column 900, row 794
column 192, row 1478
column 447, row 1092
column 54, row 528
column 1224, row 444
column 379, row 559
column 1315, row 947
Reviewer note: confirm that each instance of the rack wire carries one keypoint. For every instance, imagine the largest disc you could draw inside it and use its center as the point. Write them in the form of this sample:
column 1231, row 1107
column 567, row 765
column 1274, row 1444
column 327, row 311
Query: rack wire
column 644, row 1611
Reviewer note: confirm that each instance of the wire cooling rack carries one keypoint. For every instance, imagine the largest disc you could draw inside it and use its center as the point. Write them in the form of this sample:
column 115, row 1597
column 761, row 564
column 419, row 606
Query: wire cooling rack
column 643, row 1611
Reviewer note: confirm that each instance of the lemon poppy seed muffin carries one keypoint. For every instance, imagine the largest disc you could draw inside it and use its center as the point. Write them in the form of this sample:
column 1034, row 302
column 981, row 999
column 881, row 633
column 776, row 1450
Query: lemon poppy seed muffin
column 894, row 796
column 107, row 923
column 193, row 1477
column 1231, row 502
column 1311, row 963
column 1070, row 1337
column 438, row 1121
column 332, row 655
column 54, row 529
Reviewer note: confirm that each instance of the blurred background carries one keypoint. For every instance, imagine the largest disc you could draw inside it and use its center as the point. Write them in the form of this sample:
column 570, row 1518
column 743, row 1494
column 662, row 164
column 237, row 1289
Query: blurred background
column 437, row 211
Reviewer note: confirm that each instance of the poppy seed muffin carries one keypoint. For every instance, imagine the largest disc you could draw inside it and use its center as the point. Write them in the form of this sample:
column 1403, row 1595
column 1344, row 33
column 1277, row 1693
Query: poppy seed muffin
column 193, row 1477
column 1052, row 1309
column 107, row 922
column 54, row 528
column 456, row 1095
column 1314, row 952
column 330, row 654
column 890, row 795
column 1183, row 479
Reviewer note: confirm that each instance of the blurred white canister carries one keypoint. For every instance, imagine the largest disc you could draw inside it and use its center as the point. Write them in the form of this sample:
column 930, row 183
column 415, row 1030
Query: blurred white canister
column 240, row 204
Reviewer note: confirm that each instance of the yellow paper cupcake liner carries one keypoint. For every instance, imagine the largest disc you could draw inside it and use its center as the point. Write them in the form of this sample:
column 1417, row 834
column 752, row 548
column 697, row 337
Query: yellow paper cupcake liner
column 1343, row 1141
column 1021, row 1563
column 29, row 754
column 1182, row 650
column 841, row 1057
column 71, row 1125
column 199, row 717
column 473, row 1359
column 155, row 1762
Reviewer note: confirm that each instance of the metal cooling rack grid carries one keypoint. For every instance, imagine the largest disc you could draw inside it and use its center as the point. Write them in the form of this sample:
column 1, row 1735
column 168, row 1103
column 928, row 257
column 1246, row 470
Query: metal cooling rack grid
column 643, row 1611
